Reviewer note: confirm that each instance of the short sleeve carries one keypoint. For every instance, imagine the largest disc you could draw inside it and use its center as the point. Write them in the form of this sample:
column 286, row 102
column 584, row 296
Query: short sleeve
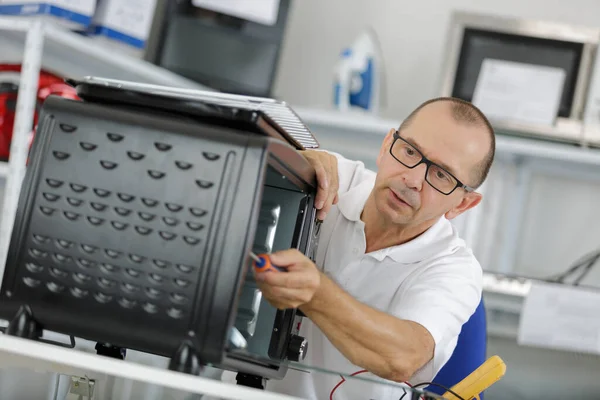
column 350, row 172
column 441, row 298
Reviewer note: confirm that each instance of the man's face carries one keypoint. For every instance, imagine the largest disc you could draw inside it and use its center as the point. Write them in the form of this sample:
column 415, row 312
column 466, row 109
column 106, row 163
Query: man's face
column 403, row 195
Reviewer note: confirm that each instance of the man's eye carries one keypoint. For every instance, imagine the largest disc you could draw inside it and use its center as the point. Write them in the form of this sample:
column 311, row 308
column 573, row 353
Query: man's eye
column 442, row 175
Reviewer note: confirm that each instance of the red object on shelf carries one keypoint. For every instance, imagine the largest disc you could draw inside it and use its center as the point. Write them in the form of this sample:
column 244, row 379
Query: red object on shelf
column 49, row 84
column 8, row 101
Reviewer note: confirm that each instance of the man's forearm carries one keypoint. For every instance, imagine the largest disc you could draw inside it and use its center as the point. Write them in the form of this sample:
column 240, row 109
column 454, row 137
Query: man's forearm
column 385, row 345
column 354, row 350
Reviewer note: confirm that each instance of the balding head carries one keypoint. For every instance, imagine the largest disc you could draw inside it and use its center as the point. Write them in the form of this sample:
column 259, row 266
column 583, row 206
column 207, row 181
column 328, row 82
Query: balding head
column 409, row 196
column 468, row 114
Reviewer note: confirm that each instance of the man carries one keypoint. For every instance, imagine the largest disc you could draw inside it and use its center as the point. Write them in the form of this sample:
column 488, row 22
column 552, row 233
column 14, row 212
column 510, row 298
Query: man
column 393, row 284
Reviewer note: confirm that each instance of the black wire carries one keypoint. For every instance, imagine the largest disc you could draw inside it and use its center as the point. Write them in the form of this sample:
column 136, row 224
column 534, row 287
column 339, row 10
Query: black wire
column 433, row 384
column 582, row 263
column 586, row 270
column 561, row 278
column 71, row 345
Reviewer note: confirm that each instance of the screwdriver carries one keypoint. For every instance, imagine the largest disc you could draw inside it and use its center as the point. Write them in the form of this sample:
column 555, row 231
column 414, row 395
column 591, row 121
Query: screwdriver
column 262, row 263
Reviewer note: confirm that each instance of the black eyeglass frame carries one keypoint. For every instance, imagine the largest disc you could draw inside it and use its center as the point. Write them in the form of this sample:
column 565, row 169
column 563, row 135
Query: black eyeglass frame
column 428, row 163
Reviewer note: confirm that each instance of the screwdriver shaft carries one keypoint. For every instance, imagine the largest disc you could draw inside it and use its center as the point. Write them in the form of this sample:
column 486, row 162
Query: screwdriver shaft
column 254, row 257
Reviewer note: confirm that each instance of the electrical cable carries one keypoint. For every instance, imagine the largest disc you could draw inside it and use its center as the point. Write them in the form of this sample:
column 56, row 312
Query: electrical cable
column 586, row 270
column 562, row 276
column 433, row 384
column 583, row 262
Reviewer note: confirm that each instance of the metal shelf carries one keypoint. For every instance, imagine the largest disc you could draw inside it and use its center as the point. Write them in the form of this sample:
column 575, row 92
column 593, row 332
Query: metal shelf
column 73, row 55
column 505, row 285
column 41, row 357
column 3, row 169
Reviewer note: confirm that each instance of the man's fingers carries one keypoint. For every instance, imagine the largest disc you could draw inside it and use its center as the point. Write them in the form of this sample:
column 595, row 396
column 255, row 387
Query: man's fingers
column 333, row 172
column 323, row 186
column 293, row 279
column 332, row 190
column 321, row 215
column 330, row 193
column 286, row 297
column 295, row 286
column 288, row 257
column 325, row 166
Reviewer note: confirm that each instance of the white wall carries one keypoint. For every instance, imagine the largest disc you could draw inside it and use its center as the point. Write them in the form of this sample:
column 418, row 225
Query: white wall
column 412, row 35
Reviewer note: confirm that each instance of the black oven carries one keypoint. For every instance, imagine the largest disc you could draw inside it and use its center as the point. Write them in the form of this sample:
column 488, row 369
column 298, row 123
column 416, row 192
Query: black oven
column 136, row 217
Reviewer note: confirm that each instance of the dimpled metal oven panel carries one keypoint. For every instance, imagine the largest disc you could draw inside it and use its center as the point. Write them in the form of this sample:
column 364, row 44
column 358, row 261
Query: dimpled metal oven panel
column 121, row 224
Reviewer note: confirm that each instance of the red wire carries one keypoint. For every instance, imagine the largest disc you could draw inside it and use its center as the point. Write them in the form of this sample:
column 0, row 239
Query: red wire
column 353, row 374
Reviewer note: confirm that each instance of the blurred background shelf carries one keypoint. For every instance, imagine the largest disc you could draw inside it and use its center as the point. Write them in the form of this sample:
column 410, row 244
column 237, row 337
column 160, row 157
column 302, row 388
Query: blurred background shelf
column 3, row 169
column 327, row 123
column 61, row 46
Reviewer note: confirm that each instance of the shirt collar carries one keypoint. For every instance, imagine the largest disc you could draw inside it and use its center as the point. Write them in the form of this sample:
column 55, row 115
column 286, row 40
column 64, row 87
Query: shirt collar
column 434, row 240
column 352, row 202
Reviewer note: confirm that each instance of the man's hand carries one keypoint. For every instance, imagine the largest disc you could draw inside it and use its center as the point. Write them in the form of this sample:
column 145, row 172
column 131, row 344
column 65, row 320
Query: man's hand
column 293, row 288
column 326, row 168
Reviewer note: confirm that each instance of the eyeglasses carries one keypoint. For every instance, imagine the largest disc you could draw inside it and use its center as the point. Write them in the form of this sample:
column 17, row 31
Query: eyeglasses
column 440, row 179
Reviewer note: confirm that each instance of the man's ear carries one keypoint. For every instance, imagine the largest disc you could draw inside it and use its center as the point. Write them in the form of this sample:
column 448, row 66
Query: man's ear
column 385, row 146
column 469, row 201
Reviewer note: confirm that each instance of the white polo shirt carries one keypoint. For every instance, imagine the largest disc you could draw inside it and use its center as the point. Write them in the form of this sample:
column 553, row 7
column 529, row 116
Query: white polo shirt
column 433, row 280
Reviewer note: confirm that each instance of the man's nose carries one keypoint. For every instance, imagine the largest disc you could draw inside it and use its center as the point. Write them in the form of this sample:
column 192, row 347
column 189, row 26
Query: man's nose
column 414, row 177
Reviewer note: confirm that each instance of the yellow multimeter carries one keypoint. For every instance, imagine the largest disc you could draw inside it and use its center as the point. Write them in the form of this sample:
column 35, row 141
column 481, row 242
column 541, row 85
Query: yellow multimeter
column 479, row 380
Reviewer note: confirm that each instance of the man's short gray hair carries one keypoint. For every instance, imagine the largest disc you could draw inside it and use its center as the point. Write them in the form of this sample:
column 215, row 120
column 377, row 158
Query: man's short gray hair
column 465, row 112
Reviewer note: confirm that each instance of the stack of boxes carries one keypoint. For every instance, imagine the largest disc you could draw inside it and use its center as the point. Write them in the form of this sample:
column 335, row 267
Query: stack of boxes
column 75, row 14
column 122, row 23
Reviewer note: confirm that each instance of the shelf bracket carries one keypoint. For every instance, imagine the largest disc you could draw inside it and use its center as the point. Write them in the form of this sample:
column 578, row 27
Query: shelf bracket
column 23, row 126
column 512, row 224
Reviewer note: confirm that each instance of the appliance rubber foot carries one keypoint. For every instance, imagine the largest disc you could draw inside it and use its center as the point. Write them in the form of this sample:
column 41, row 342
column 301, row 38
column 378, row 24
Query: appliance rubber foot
column 186, row 359
column 253, row 381
column 24, row 325
column 108, row 350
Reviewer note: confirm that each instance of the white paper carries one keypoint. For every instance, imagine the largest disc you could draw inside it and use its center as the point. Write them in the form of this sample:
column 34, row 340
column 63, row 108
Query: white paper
column 260, row 11
column 85, row 7
column 131, row 17
column 561, row 317
column 518, row 92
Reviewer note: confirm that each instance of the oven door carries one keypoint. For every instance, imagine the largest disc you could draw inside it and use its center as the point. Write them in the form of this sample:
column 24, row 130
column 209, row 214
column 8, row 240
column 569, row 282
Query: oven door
column 286, row 218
